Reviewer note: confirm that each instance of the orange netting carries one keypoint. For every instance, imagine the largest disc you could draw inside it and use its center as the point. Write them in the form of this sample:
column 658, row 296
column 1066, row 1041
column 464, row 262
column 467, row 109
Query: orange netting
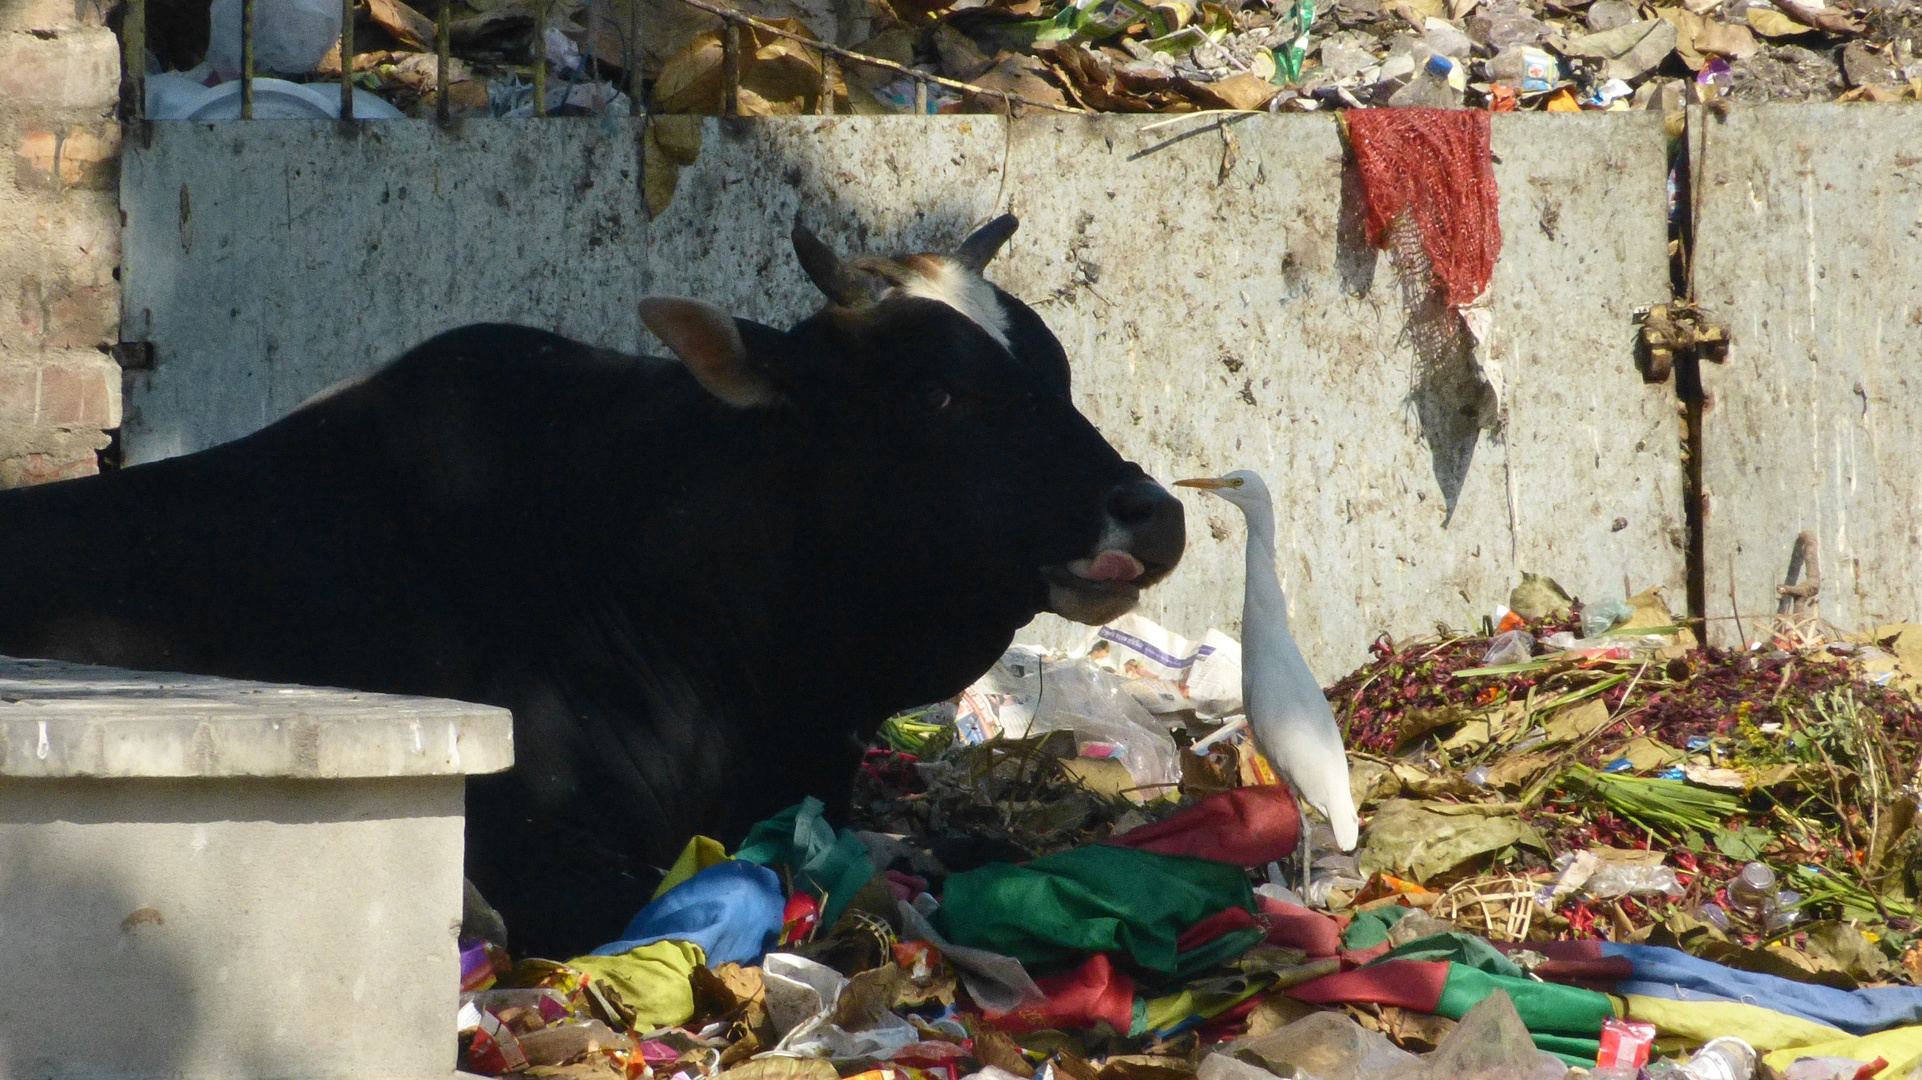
column 1432, row 165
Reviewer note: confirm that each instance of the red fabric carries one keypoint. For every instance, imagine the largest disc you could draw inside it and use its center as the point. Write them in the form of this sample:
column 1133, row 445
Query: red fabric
column 1433, row 164
column 1579, row 951
column 1094, row 991
column 1299, row 928
column 1409, row 984
column 1226, row 921
column 1246, row 826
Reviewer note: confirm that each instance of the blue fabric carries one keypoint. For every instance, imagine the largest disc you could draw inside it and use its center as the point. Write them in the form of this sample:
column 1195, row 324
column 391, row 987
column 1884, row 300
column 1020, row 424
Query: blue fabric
column 1677, row 976
column 732, row 910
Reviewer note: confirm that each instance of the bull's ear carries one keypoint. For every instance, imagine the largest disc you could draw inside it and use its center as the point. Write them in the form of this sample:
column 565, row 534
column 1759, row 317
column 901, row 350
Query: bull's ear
column 706, row 339
column 984, row 242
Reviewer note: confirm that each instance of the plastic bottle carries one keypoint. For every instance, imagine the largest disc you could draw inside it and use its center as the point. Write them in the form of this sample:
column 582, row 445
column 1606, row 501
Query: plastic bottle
column 1726, row 1058
column 1434, row 86
column 1713, row 915
column 1752, row 893
column 1782, row 914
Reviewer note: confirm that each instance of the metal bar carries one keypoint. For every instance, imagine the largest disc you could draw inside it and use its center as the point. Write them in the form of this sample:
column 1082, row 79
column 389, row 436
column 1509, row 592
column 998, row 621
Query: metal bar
column 133, row 65
column 731, row 69
column 540, row 60
column 631, row 54
column 441, row 105
column 247, row 59
column 849, row 56
column 346, row 59
column 825, row 106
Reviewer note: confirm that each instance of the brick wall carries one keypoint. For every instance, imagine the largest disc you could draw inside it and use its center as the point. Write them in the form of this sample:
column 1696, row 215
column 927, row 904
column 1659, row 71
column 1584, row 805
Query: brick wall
column 59, row 238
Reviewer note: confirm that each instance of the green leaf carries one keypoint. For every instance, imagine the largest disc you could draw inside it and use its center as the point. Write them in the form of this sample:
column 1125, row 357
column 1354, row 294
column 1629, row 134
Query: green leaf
column 1745, row 843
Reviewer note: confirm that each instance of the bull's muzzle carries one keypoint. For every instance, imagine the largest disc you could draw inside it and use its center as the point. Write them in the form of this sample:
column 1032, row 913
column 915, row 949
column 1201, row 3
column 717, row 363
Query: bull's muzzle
column 1142, row 541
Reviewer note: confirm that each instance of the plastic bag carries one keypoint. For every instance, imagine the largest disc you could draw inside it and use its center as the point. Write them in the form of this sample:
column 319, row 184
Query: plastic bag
column 1024, row 695
column 1136, row 648
column 1509, row 647
column 1599, row 618
column 1611, row 880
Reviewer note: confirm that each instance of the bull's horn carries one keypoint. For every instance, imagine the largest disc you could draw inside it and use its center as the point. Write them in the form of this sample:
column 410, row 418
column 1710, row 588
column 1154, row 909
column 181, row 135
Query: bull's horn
column 981, row 245
column 822, row 265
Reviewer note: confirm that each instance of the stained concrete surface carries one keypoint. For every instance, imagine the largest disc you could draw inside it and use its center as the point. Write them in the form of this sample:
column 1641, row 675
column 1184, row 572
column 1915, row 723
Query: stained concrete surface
column 1218, row 312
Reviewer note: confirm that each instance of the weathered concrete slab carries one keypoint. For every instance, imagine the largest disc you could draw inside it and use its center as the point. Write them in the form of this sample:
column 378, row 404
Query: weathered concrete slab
column 268, row 260
column 210, row 880
column 75, row 720
column 1219, row 322
column 1811, row 248
column 1217, row 317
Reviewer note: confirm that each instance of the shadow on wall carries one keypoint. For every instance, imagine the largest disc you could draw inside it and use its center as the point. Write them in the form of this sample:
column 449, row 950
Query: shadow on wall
column 104, row 989
column 1446, row 392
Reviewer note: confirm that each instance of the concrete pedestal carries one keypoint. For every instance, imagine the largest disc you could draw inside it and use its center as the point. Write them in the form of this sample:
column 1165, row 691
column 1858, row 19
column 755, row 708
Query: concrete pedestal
column 203, row 878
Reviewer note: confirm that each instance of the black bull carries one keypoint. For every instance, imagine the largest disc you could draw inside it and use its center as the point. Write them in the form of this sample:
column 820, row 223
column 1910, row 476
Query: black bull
column 697, row 584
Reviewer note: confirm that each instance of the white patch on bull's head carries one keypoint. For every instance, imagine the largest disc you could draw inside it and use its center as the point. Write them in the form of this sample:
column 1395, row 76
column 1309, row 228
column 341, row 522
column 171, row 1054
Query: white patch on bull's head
column 935, row 277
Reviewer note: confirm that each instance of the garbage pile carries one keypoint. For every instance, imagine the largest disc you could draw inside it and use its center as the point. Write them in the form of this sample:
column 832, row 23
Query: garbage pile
column 1162, row 56
column 1589, row 844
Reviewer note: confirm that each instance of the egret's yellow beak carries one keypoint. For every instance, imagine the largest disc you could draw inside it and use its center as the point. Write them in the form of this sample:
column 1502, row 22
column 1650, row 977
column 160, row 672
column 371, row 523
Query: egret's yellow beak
column 1210, row 483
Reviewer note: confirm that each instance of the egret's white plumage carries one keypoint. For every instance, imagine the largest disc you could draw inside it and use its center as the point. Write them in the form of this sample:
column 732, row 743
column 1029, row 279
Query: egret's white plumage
column 1290, row 720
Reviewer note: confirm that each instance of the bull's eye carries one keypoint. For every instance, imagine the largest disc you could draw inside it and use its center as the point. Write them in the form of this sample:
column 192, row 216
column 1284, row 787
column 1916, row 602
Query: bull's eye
column 936, row 398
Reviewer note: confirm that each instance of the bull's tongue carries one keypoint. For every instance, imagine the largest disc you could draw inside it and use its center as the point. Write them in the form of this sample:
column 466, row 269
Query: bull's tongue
column 1109, row 566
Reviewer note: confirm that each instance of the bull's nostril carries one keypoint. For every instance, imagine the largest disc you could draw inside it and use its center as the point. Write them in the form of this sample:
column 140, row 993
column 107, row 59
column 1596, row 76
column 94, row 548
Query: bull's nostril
column 1133, row 505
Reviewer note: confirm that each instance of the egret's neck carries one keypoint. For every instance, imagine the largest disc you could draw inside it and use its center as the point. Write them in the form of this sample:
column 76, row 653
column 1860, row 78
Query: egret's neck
column 1263, row 583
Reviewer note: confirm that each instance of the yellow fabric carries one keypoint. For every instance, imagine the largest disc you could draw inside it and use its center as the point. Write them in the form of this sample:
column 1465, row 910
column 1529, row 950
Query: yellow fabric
column 1901, row 1047
column 1696, row 1022
column 699, row 854
column 652, row 979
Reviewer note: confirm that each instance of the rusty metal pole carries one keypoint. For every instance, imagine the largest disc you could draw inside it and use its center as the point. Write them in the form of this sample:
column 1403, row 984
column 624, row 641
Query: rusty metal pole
column 731, row 69
column 133, row 65
column 442, row 111
column 826, row 105
column 247, row 59
column 540, row 60
column 346, row 59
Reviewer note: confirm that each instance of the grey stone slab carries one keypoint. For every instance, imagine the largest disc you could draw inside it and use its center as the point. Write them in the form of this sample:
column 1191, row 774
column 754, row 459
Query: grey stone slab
column 75, row 720
column 1811, row 249
column 1216, row 319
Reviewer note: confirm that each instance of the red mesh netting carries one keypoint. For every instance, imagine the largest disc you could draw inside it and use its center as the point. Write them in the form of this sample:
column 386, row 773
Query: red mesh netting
column 1432, row 164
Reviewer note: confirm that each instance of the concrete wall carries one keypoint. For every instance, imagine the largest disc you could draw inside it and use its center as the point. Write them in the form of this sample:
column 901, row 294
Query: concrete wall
column 1812, row 250
column 1259, row 334
column 59, row 238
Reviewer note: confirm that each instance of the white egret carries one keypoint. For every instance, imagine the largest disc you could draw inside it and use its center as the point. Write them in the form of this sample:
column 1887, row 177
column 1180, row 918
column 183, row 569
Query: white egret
column 1288, row 716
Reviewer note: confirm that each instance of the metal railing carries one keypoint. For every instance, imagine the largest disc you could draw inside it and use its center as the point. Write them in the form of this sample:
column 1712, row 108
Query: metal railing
column 133, row 90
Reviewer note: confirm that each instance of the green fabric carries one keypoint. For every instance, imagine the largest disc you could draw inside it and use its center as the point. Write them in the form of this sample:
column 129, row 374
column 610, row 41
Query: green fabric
column 652, row 979
column 700, row 853
column 1052, row 912
column 1571, row 1050
column 1546, row 1008
column 832, row 867
column 1370, row 928
column 1458, row 948
column 1203, row 1000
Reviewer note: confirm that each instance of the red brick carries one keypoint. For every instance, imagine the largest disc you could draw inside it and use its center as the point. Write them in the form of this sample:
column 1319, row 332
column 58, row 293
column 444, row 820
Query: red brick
column 58, row 315
column 45, row 468
column 19, row 393
column 79, row 157
column 76, row 395
column 79, row 70
column 51, row 16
